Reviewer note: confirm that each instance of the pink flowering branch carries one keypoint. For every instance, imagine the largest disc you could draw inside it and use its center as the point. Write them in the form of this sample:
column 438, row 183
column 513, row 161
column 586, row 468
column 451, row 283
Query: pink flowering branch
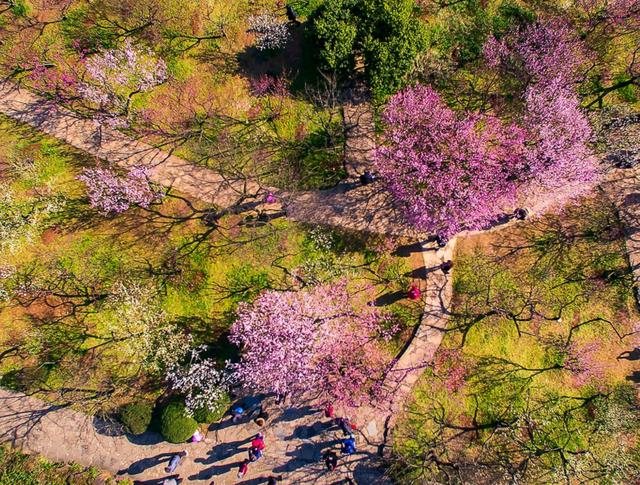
column 113, row 193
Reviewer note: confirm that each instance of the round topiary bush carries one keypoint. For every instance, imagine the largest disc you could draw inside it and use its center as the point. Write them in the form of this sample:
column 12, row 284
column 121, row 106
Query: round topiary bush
column 136, row 417
column 216, row 413
column 175, row 423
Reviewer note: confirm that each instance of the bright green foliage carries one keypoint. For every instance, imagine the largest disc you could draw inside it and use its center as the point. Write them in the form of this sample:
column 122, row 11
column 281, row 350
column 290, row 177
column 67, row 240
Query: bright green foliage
column 17, row 468
column 529, row 369
column 19, row 8
column 386, row 34
column 212, row 415
column 175, row 424
column 459, row 32
column 245, row 282
column 136, row 417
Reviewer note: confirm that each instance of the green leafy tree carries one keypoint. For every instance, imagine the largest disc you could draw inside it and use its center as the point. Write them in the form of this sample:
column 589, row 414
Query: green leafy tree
column 385, row 35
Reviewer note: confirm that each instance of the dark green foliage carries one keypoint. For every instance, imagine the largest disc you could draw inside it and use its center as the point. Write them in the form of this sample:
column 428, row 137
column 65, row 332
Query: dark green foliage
column 82, row 33
column 212, row 415
column 386, row 35
column 510, row 16
column 136, row 417
column 19, row 8
column 175, row 424
column 317, row 158
column 462, row 33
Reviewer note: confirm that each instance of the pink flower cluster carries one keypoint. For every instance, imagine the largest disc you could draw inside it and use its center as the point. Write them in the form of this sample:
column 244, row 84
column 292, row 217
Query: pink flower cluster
column 584, row 362
column 450, row 366
column 265, row 85
column 447, row 172
column 451, row 171
column 311, row 341
column 113, row 193
column 540, row 53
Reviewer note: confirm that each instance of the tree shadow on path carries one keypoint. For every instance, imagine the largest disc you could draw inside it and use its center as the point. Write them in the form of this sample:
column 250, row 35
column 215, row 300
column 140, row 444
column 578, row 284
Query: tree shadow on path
column 223, row 451
column 142, row 465
column 293, row 414
column 212, row 471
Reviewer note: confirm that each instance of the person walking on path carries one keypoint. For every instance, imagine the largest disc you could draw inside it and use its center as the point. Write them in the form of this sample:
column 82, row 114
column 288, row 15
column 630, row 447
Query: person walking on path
column 237, row 413
column 258, row 442
column 349, row 446
column 262, row 418
column 254, row 454
column 331, row 460
column 345, row 425
column 414, row 292
column 329, row 412
column 243, row 469
column 174, row 461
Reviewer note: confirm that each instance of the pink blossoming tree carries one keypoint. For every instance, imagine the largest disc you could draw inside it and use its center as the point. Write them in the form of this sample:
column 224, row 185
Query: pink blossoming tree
column 451, row 171
column 447, row 171
column 113, row 193
column 584, row 362
column 315, row 340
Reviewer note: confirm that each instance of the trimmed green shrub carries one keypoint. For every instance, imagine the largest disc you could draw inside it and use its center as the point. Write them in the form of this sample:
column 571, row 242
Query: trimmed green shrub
column 175, row 423
column 136, row 417
column 212, row 415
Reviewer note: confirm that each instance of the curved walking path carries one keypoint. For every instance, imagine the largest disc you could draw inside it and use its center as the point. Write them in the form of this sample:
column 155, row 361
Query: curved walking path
column 295, row 437
column 350, row 206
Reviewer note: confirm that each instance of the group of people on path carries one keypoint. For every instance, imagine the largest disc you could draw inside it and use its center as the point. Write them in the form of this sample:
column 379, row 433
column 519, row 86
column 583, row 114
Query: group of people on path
column 258, row 446
column 347, row 444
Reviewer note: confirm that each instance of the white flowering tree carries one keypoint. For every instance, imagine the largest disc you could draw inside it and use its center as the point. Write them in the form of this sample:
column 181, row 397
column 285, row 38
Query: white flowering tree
column 114, row 76
column 271, row 32
column 201, row 382
column 145, row 334
column 21, row 221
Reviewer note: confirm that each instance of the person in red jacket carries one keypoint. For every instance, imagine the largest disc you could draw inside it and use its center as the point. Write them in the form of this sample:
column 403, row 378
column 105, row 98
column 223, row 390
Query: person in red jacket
column 258, row 442
column 244, row 468
column 414, row 292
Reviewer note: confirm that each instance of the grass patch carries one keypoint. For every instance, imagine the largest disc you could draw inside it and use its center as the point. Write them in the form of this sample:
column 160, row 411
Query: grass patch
column 531, row 366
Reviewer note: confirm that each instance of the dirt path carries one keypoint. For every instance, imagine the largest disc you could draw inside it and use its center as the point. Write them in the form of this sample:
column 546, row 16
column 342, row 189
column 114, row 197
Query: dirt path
column 349, row 206
column 295, row 437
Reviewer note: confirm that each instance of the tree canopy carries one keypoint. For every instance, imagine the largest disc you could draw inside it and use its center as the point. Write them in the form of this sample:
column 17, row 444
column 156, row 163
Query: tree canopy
column 386, row 36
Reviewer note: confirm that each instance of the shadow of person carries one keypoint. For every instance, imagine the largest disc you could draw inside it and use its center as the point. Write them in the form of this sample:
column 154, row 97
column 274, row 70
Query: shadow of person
column 141, row 465
column 212, row 471
column 156, row 481
column 306, row 431
column 630, row 354
column 224, row 451
column 389, row 298
column 634, row 377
